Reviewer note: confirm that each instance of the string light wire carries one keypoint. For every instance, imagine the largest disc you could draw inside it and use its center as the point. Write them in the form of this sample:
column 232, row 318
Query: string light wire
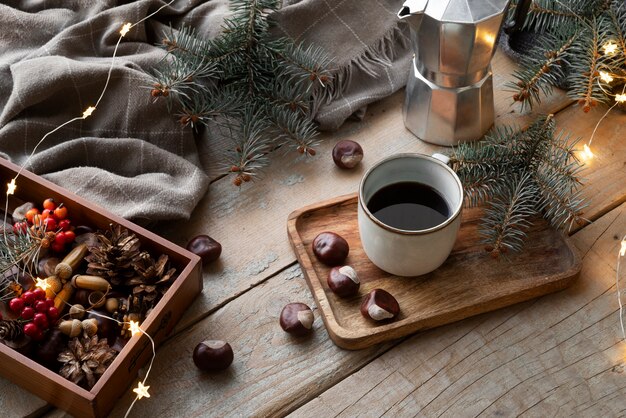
column 620, row 254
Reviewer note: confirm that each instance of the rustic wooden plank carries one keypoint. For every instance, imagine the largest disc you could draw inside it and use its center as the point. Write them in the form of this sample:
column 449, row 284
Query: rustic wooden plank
column 17, row 400
column 605, row 174
column 253, row 251
column 561, row 353
column 271, row 371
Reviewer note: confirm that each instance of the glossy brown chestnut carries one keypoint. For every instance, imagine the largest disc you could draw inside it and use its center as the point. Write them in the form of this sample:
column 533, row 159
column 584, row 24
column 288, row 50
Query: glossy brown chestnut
column 330, row 248
column 107, row 328
column 343, row 281
column 380, row 305
column 206, row 247
column 347, row 154
column 212, row 355
column 81, row 297
column 297, row 319
column 49, row 349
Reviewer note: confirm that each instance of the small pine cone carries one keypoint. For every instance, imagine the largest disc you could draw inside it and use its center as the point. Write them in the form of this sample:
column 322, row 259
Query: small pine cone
column 235, row 169
column 246, row 177
column 311, row 151
column 301, row 149
column 10, row 330
column 45, row 243
column 237, row 181
column 155, row 93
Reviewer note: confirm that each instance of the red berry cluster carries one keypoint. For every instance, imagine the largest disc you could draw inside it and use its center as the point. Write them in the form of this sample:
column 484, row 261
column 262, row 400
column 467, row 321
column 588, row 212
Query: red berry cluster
column 39, row 312
column 53, row 218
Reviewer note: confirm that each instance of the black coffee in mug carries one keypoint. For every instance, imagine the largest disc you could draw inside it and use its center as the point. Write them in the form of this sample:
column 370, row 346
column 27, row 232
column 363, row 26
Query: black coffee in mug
column 409, row 205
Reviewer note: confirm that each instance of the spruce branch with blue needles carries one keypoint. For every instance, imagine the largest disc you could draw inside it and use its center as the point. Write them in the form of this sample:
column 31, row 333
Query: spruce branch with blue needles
column 518, row 175
column 257, row 90
column 579, row 41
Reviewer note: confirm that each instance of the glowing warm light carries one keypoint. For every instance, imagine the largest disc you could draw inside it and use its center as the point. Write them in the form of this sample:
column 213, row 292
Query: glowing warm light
column 88, row 112
column 142, row 391
column 11, row 187
column 587, row 154
column 620, row 98
column 42, row 284
column 610, row 48
column 606, row 77
column 622, row 251
column 489, row 38
column 134, row 328
column 125, row 29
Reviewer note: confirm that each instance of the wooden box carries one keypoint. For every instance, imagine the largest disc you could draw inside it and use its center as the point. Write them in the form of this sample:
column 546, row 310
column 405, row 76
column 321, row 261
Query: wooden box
column 122, row 373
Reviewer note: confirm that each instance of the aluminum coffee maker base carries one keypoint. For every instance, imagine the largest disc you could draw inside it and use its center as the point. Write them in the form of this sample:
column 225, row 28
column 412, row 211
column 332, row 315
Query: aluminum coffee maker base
column 448, row 116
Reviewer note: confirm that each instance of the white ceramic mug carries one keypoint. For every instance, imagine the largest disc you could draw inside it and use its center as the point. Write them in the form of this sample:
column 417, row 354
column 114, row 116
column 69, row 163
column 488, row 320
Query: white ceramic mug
column 406, row 252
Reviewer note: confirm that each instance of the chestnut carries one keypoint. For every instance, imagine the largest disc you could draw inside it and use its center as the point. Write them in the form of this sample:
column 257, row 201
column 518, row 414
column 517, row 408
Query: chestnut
column 82, row 229
column 330, row 248
column 107, row 328
column 49, row 349
column 81, row 297
column 206, row 247
column 296, row 318
column 212, row 355
column 347, row 154
column 343, row 281
column 380, row 305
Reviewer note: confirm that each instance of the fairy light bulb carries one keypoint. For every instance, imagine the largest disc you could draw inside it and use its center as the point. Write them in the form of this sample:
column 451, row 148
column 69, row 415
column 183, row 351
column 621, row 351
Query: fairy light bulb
column 142, row 391
column 609, row 48
column 11, row 187
column 133, row 326
column 42, row 284
column 88, row 112
column 606, row 77
column 622, row 250
column 620, row 98
column 587, row 154
column 125, row 29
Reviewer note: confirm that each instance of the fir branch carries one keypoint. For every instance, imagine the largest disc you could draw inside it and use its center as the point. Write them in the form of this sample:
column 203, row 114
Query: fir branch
column 508, row 216
column 538, row 159
column 19, row 252
column 290, row 128
column 542, row 71
column 241, row 74
column 585, row 72
column 251, row 145
column 617, row 17
column 558, row 204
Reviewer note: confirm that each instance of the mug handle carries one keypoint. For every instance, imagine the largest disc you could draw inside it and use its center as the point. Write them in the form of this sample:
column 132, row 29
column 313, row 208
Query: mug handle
column 443, row 158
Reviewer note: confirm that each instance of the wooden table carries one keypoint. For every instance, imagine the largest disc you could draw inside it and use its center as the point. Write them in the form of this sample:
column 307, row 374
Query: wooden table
column 560, row 354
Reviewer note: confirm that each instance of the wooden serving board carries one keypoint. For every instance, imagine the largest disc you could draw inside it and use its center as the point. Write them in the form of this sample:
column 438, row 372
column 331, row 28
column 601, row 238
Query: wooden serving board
column 470, row 282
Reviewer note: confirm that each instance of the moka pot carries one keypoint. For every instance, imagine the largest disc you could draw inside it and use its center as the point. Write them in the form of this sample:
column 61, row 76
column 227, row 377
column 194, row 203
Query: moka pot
column 449, row 93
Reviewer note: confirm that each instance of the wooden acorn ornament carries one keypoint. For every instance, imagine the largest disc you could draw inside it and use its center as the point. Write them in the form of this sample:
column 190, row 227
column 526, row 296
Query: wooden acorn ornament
column 90, row 283
column 72, row 260
column 72, row 327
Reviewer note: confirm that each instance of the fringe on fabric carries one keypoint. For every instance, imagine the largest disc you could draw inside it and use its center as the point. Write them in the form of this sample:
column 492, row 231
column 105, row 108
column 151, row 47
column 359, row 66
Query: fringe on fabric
column 371, row 61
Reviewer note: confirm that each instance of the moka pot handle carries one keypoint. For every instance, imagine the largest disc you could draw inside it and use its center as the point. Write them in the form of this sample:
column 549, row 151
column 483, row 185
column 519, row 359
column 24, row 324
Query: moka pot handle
column 519, row 17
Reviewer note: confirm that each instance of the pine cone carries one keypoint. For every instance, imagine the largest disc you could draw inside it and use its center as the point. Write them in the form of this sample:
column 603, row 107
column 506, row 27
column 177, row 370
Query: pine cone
column 10, row 330
column 152, row 279
column 113, row 258
column 85, row 360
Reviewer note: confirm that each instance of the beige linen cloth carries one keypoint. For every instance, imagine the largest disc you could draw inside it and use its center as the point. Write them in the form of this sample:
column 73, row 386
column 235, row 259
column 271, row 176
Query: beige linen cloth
column 131, row 156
